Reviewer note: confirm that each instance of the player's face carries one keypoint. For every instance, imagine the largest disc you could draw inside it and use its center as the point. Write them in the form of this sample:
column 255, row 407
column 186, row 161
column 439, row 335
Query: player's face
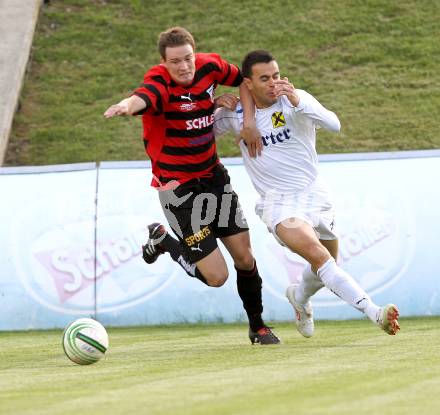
column 180, row 62
column 261, row 83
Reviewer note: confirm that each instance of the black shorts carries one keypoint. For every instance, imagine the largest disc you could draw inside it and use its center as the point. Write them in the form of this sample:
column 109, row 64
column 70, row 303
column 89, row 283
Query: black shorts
column 202, row 210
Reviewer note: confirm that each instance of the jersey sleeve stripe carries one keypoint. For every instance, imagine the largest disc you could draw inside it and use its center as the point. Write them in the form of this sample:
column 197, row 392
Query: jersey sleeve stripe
column 235, row 81
column 205, row 70
column 160, row 80
column 222, row 82
column 147, row 100
column 156, row 92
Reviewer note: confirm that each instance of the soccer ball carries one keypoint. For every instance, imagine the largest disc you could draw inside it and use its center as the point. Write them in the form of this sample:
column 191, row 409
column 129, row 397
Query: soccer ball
column 85, row 341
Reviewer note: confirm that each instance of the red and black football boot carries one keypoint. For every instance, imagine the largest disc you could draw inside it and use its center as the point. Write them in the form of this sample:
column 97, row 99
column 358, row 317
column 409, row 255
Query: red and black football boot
column 263, row 336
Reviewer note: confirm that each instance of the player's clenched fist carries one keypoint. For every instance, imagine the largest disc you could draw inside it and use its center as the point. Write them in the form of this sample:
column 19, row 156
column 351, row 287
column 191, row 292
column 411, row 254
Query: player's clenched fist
column 284, row 87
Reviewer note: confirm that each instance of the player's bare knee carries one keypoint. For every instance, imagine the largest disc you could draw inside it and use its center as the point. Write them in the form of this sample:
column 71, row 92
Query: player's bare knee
column 216, row 280
column 216, row 277
column 245, row 261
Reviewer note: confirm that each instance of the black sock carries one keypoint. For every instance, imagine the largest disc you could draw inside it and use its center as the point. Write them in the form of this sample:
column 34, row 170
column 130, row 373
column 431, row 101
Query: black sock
column 249, row 285
column 173, row 247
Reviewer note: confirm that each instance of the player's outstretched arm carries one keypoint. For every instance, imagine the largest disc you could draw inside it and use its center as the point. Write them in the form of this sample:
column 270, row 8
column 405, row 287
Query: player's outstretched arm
column 128, row 106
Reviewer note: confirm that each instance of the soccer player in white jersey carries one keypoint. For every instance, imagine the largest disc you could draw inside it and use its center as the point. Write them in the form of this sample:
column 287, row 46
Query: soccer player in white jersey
column 294, row 202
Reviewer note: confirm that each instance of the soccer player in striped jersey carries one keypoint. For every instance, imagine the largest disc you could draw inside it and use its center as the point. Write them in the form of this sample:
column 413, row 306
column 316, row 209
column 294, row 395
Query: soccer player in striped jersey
column 177, row 102
column 294, row 202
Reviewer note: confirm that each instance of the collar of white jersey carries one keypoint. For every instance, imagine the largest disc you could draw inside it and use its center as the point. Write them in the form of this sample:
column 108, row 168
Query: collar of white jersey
column 273, row 107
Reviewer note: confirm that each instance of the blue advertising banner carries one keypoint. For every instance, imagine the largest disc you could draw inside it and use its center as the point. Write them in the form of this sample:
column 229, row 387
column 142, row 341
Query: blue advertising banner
column 71, row 245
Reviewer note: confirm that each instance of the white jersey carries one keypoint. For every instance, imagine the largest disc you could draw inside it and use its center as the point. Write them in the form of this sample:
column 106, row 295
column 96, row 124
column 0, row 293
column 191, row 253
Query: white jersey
column 288, row 161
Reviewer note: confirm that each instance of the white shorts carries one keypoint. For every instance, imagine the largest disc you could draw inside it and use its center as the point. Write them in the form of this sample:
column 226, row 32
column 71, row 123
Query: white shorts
column 312, row 205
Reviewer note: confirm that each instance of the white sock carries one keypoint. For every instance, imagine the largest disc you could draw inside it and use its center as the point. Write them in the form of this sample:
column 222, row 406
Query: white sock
column 345, row 287
column 308, row 286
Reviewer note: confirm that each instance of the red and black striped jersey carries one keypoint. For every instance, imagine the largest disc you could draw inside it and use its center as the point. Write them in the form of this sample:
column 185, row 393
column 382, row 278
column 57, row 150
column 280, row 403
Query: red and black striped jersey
column 178, row 121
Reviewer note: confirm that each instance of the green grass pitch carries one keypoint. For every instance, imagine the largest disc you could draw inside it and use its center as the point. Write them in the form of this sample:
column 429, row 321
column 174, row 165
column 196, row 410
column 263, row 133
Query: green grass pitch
column 373, row 62
column 348, row 367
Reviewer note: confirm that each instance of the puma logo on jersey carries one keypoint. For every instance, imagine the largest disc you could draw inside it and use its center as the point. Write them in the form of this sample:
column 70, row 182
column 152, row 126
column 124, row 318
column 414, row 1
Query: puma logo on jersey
column 278, row 119
column 201, row 122
column 186, row 97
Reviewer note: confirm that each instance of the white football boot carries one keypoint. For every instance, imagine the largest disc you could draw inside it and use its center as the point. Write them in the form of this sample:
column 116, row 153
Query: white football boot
column 303, row 312
column 387, row 319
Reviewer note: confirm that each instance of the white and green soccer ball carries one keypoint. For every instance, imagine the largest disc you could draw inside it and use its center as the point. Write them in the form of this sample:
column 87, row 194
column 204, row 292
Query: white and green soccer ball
column 85, row 341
